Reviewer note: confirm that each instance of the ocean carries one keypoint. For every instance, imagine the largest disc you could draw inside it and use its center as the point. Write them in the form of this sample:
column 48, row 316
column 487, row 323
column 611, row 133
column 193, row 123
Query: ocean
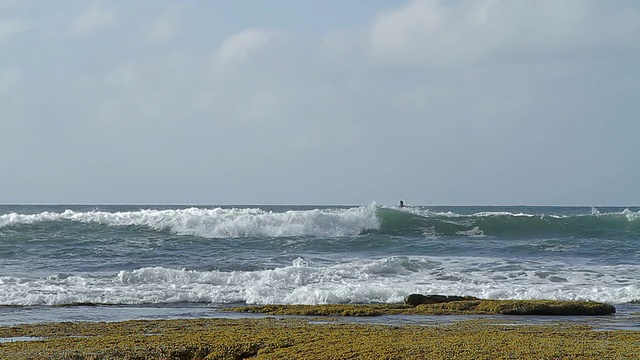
column 106, row 262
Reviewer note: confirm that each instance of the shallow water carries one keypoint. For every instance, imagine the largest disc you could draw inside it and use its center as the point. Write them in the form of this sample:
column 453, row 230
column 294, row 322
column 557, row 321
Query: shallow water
column 627, row 316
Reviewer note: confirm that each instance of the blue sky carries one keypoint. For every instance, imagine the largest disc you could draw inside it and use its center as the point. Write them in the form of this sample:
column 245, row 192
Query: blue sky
column 287, row 102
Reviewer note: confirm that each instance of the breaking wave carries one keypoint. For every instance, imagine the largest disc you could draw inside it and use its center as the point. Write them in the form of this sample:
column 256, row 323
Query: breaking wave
column 386, row 280
column 338, row 222
column 221, row 222
column 509, row 225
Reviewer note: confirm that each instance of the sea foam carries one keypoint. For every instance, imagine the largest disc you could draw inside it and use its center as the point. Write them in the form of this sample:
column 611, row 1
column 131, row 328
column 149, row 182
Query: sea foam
column 222, row 222
column 386, row 280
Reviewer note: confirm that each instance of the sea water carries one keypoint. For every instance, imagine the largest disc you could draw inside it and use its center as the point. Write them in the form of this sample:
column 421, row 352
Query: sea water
column 66, row 262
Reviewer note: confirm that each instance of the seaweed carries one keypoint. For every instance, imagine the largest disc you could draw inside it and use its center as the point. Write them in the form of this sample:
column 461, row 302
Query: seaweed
column 297, row 338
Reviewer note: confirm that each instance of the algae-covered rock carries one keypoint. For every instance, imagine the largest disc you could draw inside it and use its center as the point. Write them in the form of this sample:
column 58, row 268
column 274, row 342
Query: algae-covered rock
column 293, row 339
column 518, row 307
column 417, row 299
column 546, row 307
column 325, row 310
column 462, row 305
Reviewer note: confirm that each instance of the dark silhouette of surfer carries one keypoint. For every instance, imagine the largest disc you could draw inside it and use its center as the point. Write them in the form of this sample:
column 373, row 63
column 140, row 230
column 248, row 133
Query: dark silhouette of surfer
column 401, row 203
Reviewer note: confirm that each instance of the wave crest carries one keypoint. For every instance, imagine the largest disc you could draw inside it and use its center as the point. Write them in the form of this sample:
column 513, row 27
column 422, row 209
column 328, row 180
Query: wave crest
column 222, row 222
column 509, row 225
column 385, row 280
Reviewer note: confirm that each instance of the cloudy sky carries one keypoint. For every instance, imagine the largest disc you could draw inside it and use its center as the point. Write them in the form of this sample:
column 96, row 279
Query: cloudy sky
column 451, row 102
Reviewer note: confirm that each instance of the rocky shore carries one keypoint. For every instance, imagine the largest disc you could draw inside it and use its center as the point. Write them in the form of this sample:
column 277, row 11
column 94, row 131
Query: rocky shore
column 312, row 337
column 416, row 304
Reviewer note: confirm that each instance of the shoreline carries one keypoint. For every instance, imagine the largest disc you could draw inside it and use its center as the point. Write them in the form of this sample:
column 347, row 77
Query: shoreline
column 313, row 338
column 357, row 331
column 626, row 315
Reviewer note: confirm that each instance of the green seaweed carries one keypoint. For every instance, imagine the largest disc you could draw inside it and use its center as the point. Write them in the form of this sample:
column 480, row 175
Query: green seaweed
column 296, row 338
column 327, row 310
column 505, row 307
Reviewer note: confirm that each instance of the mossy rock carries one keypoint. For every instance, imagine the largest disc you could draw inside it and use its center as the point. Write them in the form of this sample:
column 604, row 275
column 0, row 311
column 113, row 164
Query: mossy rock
column 504, row 307
column 545, row 307
column 518, row 307
column 325, row 310
column 418, row 299
column 296, row 338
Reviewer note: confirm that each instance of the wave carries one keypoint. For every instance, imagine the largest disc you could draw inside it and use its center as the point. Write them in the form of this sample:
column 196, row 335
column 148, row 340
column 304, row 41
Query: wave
column 386, row 280
column 416, row 221
column 339, row 222
column 221, row 222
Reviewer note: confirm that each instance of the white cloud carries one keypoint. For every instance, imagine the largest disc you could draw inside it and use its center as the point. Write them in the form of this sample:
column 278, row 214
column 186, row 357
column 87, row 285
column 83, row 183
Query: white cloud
column 453, row 33
column 239, row 46
column 91, row 19
column 10, row 28
column 165, row 26
column 302, row 107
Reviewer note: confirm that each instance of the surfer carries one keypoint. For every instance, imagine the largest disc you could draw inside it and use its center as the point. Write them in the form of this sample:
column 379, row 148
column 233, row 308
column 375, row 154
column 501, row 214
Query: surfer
column 401, row 203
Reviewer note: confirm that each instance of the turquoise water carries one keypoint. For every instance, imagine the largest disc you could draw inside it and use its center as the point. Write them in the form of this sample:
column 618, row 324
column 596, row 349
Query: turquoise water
column 173, row 261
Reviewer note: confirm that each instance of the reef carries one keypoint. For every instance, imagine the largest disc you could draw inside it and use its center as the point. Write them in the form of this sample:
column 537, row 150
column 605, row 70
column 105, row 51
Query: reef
column 457, row 306
column 330, row 337
column 300, row 338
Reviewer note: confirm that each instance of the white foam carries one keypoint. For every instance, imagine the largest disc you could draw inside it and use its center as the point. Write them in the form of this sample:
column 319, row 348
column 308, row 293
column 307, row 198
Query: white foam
column 420, row 211
column 630, row 215
column 223, row 223
column 430, row 213
column 386, row 280
column 475, row 232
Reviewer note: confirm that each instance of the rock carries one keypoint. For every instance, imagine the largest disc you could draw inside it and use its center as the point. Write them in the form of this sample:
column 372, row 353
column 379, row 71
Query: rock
column 417, row 299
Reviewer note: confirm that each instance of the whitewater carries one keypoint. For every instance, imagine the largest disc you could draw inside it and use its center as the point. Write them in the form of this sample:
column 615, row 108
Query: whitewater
column 61, row 262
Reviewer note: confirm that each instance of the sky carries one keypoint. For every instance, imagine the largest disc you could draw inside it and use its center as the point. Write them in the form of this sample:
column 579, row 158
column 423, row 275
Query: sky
column 436, row 102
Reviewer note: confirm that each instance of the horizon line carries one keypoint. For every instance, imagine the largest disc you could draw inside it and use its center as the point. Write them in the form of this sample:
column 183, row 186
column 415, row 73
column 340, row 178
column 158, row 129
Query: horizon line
column 300, row 204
